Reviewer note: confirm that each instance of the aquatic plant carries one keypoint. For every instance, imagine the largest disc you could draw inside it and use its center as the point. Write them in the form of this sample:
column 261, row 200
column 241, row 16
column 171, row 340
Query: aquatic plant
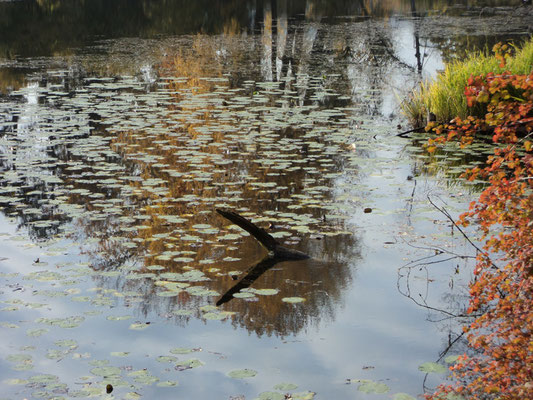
column 444, row 97
column 501, row 292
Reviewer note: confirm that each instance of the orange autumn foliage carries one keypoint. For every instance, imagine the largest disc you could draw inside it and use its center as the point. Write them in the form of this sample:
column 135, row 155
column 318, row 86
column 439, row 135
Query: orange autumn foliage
column 501, row 294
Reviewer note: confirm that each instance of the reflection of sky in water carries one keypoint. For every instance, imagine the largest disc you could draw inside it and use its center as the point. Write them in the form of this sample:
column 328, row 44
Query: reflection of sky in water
column 336, row 162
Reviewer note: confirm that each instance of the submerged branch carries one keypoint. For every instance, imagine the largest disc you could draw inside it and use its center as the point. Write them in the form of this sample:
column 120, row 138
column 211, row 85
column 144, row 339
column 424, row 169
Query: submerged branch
column 276, row 254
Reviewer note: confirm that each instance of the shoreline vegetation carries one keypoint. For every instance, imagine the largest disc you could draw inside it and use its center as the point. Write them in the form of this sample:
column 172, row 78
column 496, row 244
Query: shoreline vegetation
column 443, row 98
column 491, row 94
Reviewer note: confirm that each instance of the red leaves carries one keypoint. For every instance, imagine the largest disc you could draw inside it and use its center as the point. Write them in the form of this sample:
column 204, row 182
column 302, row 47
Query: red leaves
column 502, row 334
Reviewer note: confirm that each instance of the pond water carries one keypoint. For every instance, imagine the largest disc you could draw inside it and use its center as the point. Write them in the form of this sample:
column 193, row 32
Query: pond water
column 124, row 125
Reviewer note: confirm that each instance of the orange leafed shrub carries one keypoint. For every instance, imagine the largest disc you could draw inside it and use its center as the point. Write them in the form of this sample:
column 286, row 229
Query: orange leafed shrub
column 501, row 294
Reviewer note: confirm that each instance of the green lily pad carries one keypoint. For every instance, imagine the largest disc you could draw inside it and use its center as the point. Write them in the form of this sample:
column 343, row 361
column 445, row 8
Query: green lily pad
column 451, row 359
column 16, row 381
column 118, row 317
column 271, row 396
column 431, row 367
column 132, row 396
column 167, row 383
column 139, row 326
column 266, row 292
column 215, row 315
column 71, row 344
column 403, row 396
column 191, row 363
column 107, row 371
column 9, row 325
column 36, row 332
column 166, row 359
column 243, row 295
column 369, row 386
column 242, row 373
column 293, row 300
column 182, row 350
column 304, row 395
column 18, row 358
column 120, row 353
column 56, row 354
column 284, row 387
column 44, row 378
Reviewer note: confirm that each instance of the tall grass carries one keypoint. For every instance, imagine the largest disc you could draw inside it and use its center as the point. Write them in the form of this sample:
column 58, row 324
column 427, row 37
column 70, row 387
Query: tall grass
column 444, row 96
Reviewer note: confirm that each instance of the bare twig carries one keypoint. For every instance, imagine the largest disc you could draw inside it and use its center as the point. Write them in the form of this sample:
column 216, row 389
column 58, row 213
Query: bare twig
column 404, row 134
column 450, row 218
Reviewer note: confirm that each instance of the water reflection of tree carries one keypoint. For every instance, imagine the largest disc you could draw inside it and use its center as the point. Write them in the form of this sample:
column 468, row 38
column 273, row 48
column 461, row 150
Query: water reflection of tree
column 451, row 263
column 179, row 171
column 63, row 25
column 214, row 171
column 191, row 153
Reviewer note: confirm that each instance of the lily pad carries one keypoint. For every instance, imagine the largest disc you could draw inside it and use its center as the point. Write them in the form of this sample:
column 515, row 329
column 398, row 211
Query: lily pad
column 139, row 326
column 120, row 353
column 191, row 363
column 304, row 395
column 44, row 378
column 369, row 386
column 242, row 373
column 293, row 300
column 167, row 383
column 451, row 359
column 431, row 367
column 266, row 292
column 284, row 387
column 166, row 359
column 182, row 350
column 107, row 371
column 403, row 396
column 271, row 396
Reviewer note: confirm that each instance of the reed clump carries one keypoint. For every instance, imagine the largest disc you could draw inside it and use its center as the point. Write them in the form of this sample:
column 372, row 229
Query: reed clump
column 443, row 98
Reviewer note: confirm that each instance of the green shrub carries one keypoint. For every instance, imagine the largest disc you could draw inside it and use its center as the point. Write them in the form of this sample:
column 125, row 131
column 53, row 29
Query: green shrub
column 444, row 96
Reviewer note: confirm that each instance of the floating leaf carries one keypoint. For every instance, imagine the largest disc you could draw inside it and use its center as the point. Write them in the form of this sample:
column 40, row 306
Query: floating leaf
column 242, row 373
column 431, row 367
column 167, row 383
column 45, row 378
column 19, row 358
column 243, row 295
column 191, row 363
column 266, row 292
column 284, row 387
column 119, row 353
column 451, row 359
column 16, row 381
column 182, row 350
column 166, row 359
column 71, row 344
column 369, row 386
column 132, row 396
column 271, row 396
column 118, row 318
column 36, row 332
column 139, row 326
column 106, row 371
column 304, row 395
column 403, row 396
column 216, row 315
column 293, row 299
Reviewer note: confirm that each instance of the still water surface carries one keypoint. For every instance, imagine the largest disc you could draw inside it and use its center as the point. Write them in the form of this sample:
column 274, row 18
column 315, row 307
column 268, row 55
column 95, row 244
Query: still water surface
column 119, row 140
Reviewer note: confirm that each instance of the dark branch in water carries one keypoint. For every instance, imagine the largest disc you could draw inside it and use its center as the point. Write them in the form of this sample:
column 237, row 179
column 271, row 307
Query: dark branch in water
column 404, row 134
column 253, row 274
column 275, row 249
column 277, row 254
column 259, row 233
